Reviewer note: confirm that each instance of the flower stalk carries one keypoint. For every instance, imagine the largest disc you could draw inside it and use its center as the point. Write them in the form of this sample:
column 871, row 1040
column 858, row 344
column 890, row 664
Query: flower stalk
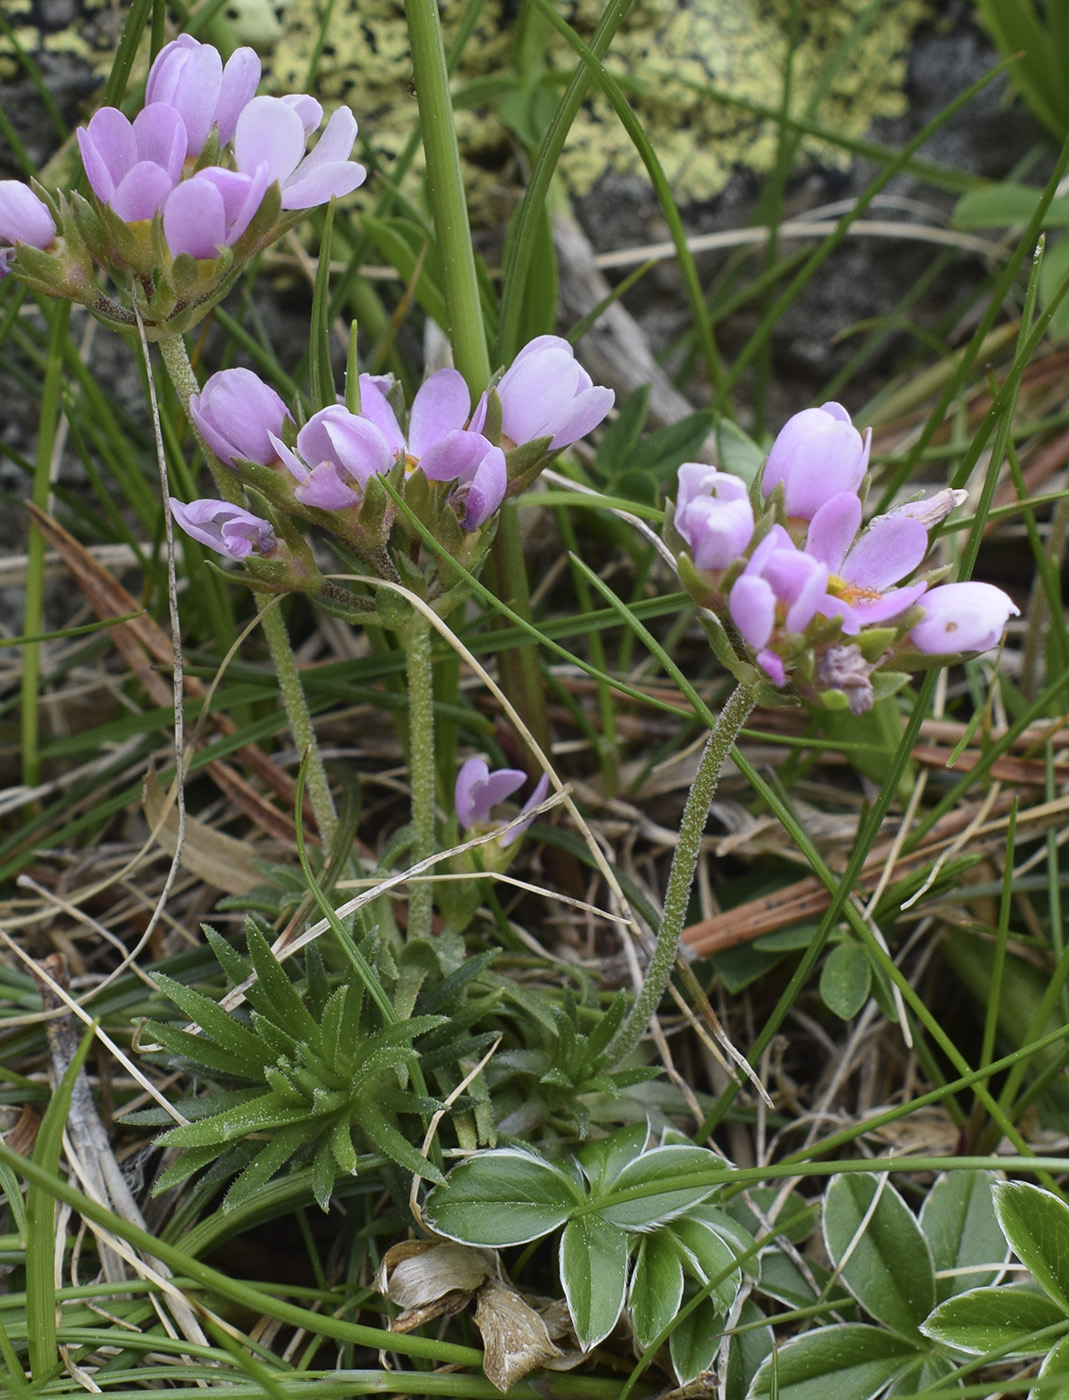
column 445, row 185
column 416, row 634
column 718, row 746
column 300, row 720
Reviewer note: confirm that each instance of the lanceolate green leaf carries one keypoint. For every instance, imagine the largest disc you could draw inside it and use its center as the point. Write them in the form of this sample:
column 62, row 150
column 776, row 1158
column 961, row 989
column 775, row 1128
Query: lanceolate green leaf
column 959, row 1222
column 593, row 1271
column 1036, row 1223
column 40, row 1223
column 695, row 1340
column 986, row 1319
column 643, row 1195
column 848, row 1361
column 885, row 1262
column 502, row 1197
column 656, row 1286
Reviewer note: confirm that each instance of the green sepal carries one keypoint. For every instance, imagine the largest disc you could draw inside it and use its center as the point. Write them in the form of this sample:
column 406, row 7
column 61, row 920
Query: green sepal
column 872, row 642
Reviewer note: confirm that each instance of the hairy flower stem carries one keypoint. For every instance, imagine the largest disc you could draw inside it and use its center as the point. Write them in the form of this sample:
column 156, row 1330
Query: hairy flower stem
column 417, row 640
column 732, row 717
column 289, row 683
column 176, row 361
column 445, row 186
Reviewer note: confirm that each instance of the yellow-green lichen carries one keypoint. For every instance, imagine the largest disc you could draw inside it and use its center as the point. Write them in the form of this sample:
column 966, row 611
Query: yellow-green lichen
column 670, row 55
column 91, row 36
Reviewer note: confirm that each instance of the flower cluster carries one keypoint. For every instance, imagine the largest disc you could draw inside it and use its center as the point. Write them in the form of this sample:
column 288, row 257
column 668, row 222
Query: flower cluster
column 802, row 591
column 206, row 174
column 452, row 464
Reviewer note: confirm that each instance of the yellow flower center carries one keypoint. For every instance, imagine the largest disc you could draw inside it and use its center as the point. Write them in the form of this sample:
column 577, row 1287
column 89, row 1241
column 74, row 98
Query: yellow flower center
column 852, row 592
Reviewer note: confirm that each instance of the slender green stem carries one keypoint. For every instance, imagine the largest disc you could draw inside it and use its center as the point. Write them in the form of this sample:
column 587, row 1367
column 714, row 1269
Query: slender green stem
column 289, row 682
column 466, row 332
column 33, row 609
column 732, row 717
column 417, row 639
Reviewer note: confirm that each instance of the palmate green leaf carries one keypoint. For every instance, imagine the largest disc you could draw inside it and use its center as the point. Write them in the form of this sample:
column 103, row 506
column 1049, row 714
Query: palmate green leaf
column 593, row 1271
column 988, row 1318
column 502, row 1197
column 1036, row 1223
column 707, row 1256
column 650, row 1178
column 748, row 1348
column 847, row 1361
column 656, row 1286
column 889, row 1268
column 695, row 1340
column 959, row 1222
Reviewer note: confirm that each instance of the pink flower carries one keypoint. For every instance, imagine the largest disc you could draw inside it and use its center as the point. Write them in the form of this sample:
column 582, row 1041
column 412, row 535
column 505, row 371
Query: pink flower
column 271, row 132
column 863, row 569
column 545, row 392
column 338, row 451
column 211, row 210
column 713, row 514
column 478, row 791
column 777, row 596
column 189, row 77
column 133, row 166
column 24, row 218
column 226, row 528
column 817, row 455
column 962, row 618
column 238, row 415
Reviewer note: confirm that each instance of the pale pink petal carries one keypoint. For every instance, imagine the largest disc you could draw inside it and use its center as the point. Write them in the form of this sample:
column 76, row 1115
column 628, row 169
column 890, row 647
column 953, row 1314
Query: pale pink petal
column 833, row 529
column 890, row 548
column 269, row 131
column 752, row 606
column 441, row 405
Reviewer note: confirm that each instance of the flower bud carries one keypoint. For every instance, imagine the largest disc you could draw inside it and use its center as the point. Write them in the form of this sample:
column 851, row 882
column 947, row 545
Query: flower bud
column 237, row 415
column 226, row 528
column 713, row 514
column 962, row 617
column 545, row 392
column 817, row 455
column 24, row 218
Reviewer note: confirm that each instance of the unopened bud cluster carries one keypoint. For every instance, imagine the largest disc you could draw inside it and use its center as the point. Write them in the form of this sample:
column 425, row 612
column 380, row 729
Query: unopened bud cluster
column 803, row 593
